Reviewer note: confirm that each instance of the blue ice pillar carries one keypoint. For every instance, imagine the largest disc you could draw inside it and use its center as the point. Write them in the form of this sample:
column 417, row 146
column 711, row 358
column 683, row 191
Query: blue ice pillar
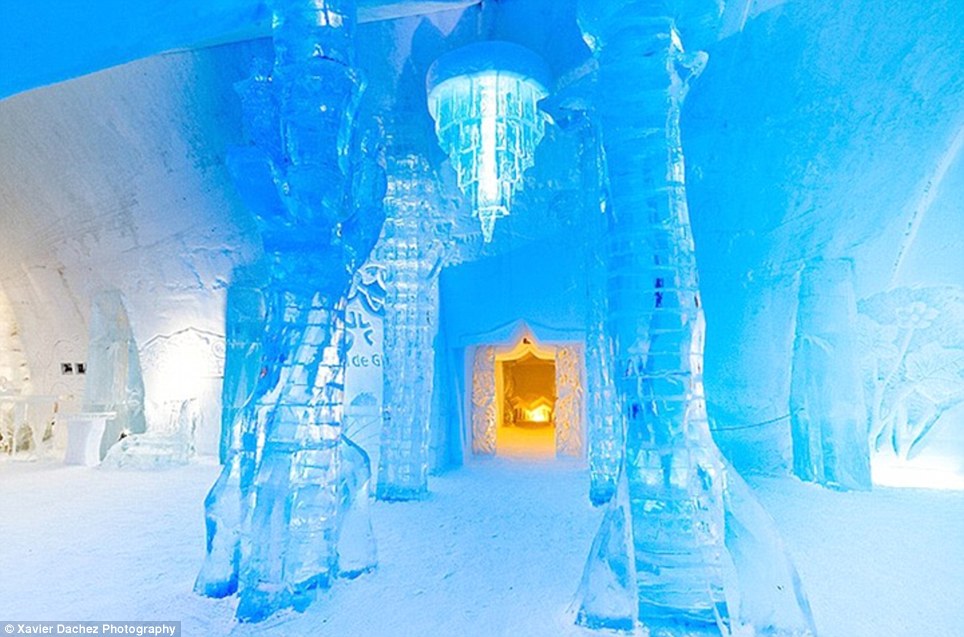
column 605, row 424
column 412, row 254
column 287, row 514
column 683, row 541
column 670, row 574
column 827, row 408
column 605, row 430
column 245, row 314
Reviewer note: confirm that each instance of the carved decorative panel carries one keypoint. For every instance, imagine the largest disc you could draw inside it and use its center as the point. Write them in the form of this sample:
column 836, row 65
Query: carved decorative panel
column 569, row 401
column 484, row 412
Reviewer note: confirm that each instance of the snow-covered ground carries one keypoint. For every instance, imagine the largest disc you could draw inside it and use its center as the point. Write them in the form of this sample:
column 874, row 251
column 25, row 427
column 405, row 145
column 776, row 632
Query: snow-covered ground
column 497, row 550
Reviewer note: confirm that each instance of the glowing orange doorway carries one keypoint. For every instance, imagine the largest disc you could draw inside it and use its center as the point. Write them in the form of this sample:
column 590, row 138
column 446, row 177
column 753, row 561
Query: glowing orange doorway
column 527, row 398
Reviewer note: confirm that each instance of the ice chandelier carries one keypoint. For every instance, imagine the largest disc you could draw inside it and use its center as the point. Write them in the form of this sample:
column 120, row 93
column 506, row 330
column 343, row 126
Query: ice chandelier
column 483, row 98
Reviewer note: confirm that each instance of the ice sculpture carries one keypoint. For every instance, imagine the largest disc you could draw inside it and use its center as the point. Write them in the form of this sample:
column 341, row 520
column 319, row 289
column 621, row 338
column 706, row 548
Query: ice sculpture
column 113, row 382
column 827, row 409
column 412, row 255
column 168, row 441
column 176, row 368
column 660, row 558
column 484, row 98
column 287, row 514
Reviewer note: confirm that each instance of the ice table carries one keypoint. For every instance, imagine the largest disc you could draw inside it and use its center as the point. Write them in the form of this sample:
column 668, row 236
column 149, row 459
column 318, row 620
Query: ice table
column 84, row 433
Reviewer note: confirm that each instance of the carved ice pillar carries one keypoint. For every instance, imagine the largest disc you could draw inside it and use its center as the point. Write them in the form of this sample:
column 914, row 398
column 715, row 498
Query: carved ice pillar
column 411, row 254
column 604, row 424
column 285, row 517
column 604, row 427
column 659, row 558
column 827, row 408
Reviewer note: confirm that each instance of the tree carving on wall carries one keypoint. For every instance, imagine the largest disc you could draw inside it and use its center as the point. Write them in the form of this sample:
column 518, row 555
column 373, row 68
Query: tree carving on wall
column 913, row 344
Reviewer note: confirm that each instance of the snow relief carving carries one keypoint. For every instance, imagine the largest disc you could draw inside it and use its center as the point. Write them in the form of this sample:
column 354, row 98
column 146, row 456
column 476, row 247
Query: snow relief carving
column 484, row 412
column 913, row 344
column 368, row 286
column 568, row 410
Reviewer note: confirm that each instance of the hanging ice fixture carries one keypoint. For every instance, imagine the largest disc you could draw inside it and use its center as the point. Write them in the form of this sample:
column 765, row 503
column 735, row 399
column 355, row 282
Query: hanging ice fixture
column 484, row 99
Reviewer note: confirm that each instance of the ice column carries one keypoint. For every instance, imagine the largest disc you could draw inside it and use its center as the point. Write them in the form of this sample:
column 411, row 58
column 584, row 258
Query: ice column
column 605, row 426
column 288, row 513
column 114, row 381
column 827, row 408
column 684, row 549
column 412, row 255
column 245, row 313
column 605, row 431
column 659, row 558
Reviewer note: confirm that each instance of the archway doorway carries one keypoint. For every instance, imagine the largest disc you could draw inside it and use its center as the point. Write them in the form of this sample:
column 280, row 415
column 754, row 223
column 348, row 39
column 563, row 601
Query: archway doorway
column 527, row 398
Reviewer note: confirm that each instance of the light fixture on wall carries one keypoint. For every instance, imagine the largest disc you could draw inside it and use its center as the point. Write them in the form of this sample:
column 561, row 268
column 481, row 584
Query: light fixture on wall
column 484, row 99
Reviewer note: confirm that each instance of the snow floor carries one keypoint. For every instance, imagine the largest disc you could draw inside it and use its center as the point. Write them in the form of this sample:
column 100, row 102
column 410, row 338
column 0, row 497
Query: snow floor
column 532, row 442
column 497, row 550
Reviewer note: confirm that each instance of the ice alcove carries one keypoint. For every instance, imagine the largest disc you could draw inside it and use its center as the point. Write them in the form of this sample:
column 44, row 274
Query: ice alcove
column 526, row 398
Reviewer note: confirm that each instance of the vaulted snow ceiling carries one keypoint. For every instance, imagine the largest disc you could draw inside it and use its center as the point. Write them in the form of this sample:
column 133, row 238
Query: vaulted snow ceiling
column 818, row 130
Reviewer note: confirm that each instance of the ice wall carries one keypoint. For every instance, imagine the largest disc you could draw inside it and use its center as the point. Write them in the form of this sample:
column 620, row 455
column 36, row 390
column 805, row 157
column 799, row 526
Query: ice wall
column 818, row 132
column 142, row 204
column 81, row 39
column 14, row 372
